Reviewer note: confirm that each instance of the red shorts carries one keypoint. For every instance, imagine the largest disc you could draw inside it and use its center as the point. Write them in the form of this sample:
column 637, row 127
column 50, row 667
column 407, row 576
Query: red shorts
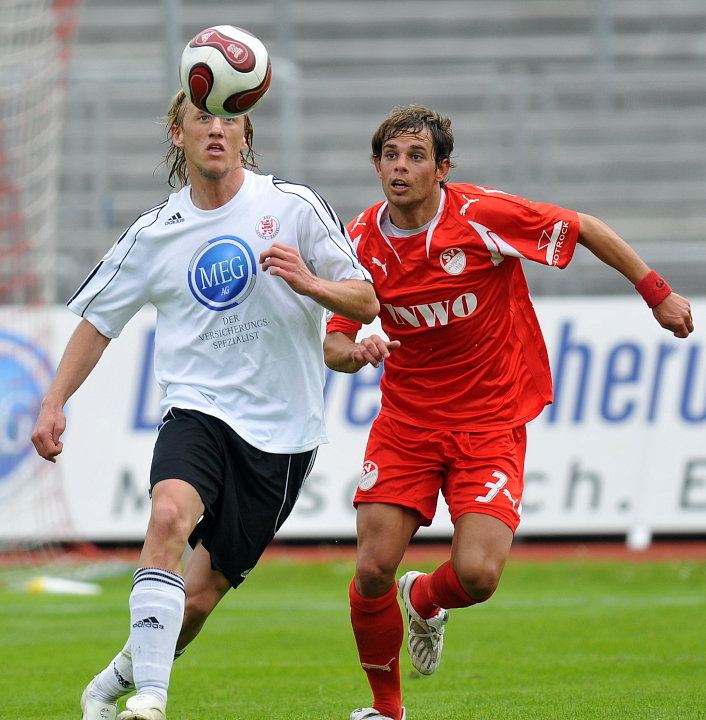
column 475, row 472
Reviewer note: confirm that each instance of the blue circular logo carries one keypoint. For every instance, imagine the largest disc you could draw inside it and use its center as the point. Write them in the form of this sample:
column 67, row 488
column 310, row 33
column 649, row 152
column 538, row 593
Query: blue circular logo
column 222, row 272
column 25, row 374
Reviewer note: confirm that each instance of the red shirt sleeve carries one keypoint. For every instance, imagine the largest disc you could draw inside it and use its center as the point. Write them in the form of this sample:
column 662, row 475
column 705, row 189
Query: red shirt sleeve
column 338, row 323
column 522, row 228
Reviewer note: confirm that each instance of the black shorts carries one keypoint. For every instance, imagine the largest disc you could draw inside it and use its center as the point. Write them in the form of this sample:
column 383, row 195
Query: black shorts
column 248, row 493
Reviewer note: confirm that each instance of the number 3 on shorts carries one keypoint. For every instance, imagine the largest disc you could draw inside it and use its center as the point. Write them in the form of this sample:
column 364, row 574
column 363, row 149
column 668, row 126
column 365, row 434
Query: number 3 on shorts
column 493, row 487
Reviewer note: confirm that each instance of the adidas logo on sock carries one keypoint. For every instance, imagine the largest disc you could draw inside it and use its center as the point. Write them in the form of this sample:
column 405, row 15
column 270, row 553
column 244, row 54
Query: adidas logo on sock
column 174, row 219
column 121, row 680
column 150, row 622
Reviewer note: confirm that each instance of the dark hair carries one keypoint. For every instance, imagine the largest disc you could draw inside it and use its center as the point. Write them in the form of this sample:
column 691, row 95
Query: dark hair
column 412, row 120
column 174, row 158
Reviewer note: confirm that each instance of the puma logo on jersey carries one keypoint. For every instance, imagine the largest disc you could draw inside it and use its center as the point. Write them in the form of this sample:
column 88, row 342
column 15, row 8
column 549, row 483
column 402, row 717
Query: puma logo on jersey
column 357, row 222
column 465, row 207
column 377, row 262
column 433, row 314
column 384, row 668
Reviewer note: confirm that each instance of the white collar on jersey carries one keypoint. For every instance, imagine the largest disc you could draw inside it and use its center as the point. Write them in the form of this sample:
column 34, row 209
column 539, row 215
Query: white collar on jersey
column 389, row 230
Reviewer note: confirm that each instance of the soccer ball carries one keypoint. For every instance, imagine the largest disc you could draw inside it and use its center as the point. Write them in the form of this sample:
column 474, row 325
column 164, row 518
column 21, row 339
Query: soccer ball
column 225, row 71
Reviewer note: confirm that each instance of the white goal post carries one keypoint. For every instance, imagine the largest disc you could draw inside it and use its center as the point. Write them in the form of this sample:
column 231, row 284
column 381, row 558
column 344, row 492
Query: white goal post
column 35, row 40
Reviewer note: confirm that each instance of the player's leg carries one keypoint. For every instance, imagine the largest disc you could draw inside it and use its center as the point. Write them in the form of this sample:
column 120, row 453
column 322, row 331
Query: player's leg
column 204, row 590
column 480, row 548
column 158, row 596
column 156, row 608
column 99, row 700
column 483, row 490
column 187, row 440
column 481, row 545
column 397, row 493
column 384, row 531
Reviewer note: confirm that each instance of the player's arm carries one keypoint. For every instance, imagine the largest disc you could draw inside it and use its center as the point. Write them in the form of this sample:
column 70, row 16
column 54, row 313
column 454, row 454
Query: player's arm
column 354, row 299
column 343, row 353
column 82, row 352
column 672, row 311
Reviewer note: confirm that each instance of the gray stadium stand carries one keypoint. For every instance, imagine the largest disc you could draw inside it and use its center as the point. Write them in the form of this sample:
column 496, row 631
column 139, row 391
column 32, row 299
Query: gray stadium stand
column 595, row 105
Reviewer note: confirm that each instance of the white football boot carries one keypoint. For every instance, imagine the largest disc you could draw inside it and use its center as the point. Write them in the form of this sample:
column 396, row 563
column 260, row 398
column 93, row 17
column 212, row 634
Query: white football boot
column 371, row 713
column 93, row 708
column 425, row 636
column 144, row 706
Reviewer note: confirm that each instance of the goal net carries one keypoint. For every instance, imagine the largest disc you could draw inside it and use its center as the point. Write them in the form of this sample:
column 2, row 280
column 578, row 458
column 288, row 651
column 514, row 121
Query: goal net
column 35, row 39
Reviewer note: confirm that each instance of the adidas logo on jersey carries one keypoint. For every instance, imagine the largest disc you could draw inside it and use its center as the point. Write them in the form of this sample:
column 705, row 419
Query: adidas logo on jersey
column 174, row 219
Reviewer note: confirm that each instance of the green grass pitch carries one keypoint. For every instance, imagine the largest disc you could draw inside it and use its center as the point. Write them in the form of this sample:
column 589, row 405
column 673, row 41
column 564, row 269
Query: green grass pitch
column 558, row 641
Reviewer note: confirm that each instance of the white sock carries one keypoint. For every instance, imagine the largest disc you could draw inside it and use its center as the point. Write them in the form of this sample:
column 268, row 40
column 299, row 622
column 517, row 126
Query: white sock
column 116, row 680
column 156, row 614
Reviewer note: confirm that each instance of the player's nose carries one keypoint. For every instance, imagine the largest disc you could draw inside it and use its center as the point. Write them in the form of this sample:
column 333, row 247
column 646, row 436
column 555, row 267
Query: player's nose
column 400, row 164
column 216, row 126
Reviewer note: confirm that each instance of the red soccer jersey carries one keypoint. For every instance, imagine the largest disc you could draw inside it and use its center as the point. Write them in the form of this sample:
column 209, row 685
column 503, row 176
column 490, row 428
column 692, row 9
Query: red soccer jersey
column 472, row 356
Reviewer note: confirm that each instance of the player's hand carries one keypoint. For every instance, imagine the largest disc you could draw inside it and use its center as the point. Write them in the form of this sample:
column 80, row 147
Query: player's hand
column 372, row 350
column 45, row 437
column 285, row 262
column 674, row 313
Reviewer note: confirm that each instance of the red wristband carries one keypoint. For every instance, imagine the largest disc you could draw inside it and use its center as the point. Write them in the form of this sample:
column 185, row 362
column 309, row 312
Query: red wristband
column 653, row 289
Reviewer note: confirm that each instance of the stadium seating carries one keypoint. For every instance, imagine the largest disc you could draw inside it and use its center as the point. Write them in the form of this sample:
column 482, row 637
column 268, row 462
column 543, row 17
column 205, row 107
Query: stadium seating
column 594, row 105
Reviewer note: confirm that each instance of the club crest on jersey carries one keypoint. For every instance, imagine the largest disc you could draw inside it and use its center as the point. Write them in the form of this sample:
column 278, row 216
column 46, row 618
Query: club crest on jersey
column 222, row 272
column 453, row 260
column 368, row 476
column 267, row 227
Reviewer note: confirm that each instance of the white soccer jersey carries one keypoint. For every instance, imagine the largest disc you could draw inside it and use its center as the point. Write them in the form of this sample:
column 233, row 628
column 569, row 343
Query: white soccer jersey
column 231, row 340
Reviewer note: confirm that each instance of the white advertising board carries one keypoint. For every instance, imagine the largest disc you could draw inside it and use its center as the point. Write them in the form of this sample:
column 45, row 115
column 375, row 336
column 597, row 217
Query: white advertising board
column 622, row 448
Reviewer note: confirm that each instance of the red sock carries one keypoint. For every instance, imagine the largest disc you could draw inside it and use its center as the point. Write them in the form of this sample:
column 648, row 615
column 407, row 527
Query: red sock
column 378, row 629
column 442, row 588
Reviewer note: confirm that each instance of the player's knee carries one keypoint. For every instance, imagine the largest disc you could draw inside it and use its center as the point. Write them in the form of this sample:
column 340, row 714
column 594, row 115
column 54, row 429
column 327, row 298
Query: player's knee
column 480, row 578
column 168, row 520
column 374, row 578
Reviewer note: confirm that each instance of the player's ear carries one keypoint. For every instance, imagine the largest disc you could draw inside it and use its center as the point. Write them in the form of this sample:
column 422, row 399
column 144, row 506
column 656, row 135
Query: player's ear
column 443, row 170
column 376, row 163
column 175, row 132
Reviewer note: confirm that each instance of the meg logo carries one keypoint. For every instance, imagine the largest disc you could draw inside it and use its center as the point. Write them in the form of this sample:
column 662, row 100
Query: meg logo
column 25, row 374
column 222, row 272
